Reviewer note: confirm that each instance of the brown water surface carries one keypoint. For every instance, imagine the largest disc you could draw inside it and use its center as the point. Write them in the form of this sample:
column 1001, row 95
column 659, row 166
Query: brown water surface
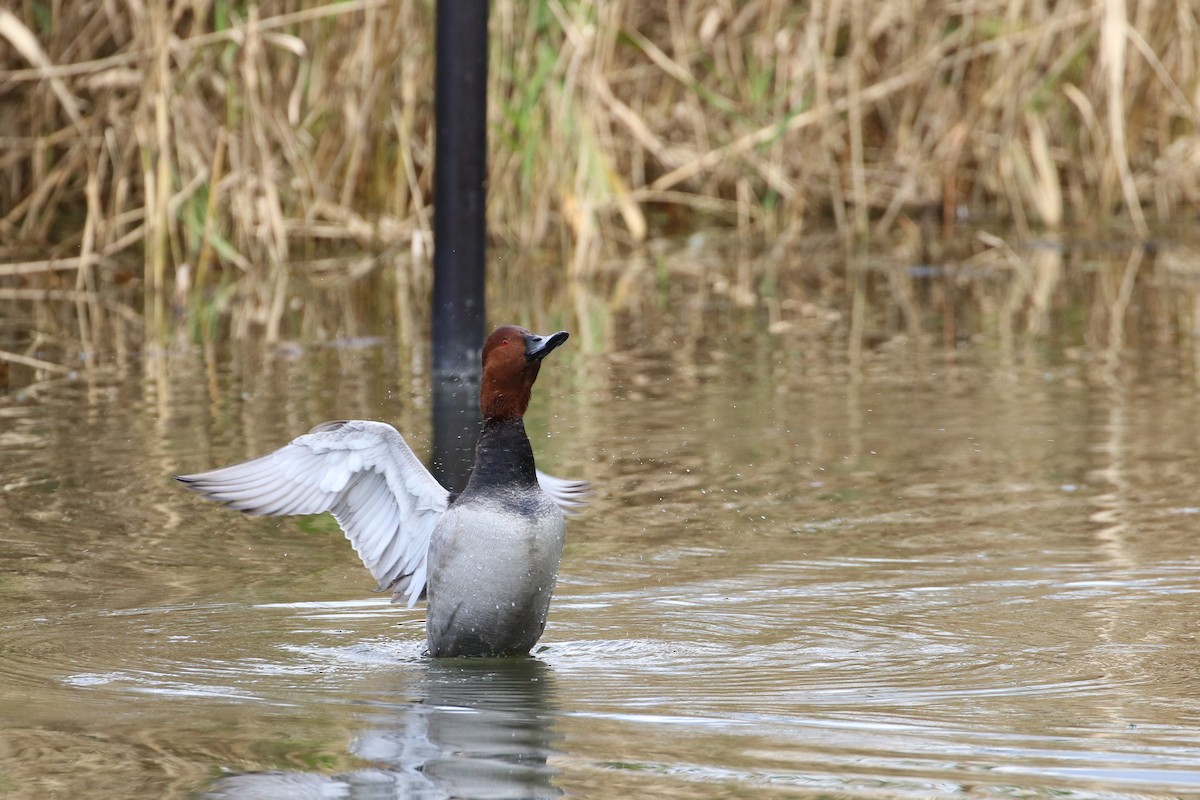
column 817, row 563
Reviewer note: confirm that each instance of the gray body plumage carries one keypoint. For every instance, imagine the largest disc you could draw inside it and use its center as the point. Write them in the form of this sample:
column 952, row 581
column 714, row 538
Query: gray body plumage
column 493, row 560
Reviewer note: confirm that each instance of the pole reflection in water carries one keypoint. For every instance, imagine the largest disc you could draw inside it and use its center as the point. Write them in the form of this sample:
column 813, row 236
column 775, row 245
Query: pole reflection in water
column 480, row 728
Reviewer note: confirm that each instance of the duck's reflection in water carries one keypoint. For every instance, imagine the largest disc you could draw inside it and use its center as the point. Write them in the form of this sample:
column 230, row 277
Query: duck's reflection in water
column 480, row 728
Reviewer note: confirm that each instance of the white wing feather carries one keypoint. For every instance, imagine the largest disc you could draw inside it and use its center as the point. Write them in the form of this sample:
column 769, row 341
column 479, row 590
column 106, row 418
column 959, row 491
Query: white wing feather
column 363, row 473
column 569, row 495
column 367, row 476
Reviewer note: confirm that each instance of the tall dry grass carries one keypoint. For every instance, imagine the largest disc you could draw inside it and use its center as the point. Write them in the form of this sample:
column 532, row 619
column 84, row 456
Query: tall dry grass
column 208, row 155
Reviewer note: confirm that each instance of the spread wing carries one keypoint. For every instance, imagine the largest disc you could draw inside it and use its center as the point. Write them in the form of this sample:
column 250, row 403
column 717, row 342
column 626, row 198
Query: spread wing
column 363, row 473
column 568, row 495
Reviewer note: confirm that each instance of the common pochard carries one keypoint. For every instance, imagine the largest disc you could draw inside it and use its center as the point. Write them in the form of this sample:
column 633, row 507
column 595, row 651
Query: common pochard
column 487, row 559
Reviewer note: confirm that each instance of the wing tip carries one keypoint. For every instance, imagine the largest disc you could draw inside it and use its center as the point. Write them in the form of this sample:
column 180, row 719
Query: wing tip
column 193, row 483
column 569, row 495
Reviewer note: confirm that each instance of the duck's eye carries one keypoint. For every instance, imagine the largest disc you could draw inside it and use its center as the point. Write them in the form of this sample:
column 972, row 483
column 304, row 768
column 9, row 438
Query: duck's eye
column 504, row 342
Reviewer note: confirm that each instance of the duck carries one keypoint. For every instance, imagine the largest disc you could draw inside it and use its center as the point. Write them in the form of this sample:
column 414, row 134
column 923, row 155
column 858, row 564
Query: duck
column 486, row 559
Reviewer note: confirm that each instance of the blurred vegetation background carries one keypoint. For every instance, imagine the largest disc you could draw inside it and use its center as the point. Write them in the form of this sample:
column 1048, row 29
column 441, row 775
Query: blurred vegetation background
column 202, row 155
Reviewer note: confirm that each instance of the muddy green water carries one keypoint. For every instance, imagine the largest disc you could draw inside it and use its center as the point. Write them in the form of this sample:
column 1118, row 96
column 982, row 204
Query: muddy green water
column 817, row 563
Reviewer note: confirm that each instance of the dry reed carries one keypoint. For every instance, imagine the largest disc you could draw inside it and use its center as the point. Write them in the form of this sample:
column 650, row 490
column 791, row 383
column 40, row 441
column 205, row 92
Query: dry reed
column 226, row 148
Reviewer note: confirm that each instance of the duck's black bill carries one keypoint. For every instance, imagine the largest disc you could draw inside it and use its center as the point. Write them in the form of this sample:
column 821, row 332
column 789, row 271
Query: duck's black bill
column 538, row 347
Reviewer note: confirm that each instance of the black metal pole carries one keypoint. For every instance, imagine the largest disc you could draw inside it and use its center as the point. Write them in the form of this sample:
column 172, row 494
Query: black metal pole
column 460, row 187
column 459, row 232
